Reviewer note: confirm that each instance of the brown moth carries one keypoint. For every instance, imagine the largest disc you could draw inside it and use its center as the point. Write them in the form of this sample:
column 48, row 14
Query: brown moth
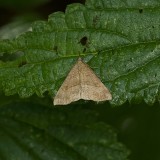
column 81, row 83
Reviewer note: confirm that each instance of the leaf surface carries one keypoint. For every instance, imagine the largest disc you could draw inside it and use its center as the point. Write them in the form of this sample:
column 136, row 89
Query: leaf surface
column 34, row 132
column 118, row 39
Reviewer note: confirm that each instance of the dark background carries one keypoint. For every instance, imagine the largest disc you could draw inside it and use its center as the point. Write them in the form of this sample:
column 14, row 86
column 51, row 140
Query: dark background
column 138, row 125
column 9, row 9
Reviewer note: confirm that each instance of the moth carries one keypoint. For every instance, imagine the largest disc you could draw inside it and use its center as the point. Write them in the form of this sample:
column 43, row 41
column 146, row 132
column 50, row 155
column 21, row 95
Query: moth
column 81, row 83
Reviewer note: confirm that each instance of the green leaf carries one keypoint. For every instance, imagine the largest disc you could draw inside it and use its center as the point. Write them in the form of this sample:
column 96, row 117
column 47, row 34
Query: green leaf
column 17, row 26
column 119, row 40
column 37, row 132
